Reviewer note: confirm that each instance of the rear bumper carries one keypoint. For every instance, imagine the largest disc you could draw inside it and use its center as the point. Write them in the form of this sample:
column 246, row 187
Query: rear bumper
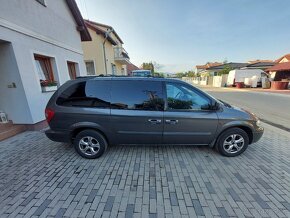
column 258, row 134
column 58, row 136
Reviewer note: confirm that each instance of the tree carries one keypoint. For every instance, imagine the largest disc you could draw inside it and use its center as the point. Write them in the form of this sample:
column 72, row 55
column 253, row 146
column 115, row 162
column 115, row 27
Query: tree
column 157, row 66
column 148, row 66
column 180, row 75
column 190, row 73
column 225, row 70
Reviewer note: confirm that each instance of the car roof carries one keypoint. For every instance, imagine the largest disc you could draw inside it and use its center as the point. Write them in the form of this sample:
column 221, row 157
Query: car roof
column 125, row 78
column 141, row 70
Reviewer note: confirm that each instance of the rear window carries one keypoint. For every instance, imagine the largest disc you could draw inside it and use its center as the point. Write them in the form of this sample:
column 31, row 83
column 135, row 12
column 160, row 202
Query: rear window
column 92, row 93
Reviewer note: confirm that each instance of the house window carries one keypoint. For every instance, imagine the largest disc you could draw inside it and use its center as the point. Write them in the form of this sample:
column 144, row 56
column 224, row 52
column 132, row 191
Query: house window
column 90, row 67
column 114, row 70
column 72, row 69
column 44, row 68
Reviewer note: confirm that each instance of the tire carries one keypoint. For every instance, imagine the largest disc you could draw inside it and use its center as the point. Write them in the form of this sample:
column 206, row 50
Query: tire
column 90, row 144
column 232, row 142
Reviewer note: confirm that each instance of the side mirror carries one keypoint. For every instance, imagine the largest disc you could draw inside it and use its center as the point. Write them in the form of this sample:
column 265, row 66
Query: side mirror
column 214, row 106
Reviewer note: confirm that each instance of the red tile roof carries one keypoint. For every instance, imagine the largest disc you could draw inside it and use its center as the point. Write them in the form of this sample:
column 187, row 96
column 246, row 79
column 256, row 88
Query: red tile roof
column 280, row 67
column 131, row 67
column 209, row 64
column 287, row 56
column 260, row 61
column 99, row 31
column 95, row 24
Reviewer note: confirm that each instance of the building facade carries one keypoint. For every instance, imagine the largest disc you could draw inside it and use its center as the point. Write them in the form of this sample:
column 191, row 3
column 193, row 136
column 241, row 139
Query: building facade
column 40, row 43
column 104, row 55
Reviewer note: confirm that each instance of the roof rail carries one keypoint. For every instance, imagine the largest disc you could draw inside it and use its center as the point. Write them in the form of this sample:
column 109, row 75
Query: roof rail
column 83, row 77
column 101, row 75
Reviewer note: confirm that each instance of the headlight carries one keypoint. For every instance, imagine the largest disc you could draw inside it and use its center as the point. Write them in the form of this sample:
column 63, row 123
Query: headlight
column 258, row 123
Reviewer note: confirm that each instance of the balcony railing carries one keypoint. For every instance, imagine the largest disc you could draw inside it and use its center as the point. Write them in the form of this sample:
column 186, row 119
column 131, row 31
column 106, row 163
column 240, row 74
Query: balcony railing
column 121, row 55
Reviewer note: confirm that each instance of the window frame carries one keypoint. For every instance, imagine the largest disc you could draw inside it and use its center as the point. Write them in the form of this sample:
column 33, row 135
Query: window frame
column 94, row 65
column 38, row 57
column 114, row 69
column 75, row 69
column 188, row 87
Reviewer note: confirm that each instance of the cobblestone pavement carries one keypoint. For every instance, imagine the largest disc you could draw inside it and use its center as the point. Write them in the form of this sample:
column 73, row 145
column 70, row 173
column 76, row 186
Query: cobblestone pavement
column 39, row 177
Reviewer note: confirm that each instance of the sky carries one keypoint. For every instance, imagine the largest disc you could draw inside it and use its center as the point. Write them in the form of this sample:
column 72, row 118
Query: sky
column 179, row 34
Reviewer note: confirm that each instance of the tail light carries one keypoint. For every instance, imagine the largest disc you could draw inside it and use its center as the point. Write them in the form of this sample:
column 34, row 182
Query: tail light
column 49, row 114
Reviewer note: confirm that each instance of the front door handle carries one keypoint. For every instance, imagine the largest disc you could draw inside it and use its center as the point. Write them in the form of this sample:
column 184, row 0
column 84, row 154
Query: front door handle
column 171, row 121
column 154, row 121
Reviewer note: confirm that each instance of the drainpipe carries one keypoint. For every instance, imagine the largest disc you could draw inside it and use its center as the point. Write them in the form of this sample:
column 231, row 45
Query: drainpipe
column 104, row 49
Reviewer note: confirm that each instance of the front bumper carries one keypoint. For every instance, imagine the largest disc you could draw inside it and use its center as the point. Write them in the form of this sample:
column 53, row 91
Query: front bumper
column 257, row 135
column 58, row 136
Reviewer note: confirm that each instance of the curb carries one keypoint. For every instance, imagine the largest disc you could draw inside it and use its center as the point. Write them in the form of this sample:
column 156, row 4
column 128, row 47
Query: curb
column 275, row 129
column 248, row 90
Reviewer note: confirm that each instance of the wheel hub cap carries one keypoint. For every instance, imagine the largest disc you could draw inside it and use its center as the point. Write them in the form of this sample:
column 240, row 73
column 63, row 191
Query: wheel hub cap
column 233, row 143
column 89, row 145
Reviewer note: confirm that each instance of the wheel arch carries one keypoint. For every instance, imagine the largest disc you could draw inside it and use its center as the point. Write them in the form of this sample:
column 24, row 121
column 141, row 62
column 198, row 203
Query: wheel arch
column 246, row 128
column 77, row 128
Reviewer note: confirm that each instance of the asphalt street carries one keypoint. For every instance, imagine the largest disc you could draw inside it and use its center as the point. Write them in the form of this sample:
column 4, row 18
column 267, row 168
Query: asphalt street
column 269, row 107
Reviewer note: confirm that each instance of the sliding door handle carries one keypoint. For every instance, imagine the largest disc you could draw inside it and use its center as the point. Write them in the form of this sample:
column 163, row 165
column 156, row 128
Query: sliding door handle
column 154, row 121
column 171, row 121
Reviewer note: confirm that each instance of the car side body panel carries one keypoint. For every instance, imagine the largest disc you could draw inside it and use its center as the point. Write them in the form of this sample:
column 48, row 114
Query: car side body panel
column 147, row 127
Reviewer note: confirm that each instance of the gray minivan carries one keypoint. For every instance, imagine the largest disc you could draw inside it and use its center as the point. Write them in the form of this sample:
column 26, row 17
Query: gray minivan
column 94, row 112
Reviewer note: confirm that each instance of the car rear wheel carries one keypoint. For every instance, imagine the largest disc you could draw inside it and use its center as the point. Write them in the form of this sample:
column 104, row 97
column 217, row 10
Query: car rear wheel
column 232, row 142
column 90, row 144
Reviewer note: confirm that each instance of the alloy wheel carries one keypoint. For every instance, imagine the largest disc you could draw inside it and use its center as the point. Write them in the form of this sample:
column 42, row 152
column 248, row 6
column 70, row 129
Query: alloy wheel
column 233, row 143
column 89, row 145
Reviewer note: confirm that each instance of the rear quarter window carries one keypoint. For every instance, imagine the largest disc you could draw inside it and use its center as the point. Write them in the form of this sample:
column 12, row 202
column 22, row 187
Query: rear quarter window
column 92, row 93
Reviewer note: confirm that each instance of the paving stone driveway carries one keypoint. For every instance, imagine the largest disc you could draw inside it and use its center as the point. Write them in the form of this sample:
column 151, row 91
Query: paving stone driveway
column 43, row 178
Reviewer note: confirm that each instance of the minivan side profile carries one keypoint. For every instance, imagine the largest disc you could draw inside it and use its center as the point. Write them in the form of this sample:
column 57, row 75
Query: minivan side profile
column 94, row 112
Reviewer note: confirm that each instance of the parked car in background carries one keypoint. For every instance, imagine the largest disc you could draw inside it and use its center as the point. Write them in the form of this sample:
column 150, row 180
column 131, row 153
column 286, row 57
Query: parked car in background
column 243, row 74
column 141, row 73
column 92, row 113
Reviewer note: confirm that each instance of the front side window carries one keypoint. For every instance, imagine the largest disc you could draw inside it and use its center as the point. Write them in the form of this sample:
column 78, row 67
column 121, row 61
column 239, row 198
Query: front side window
column 90, row 66
column 44, row 68
column 137, row 95
column 90, row 93
column 180, row 97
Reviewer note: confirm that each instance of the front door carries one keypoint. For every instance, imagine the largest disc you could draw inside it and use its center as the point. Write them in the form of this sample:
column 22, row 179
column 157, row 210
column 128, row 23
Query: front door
column 186, row 119
column 137, row 111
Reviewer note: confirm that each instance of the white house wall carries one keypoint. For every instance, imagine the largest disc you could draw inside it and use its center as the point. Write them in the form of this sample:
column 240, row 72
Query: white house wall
column 34, row 29
column 12, row 100
column 53, row 21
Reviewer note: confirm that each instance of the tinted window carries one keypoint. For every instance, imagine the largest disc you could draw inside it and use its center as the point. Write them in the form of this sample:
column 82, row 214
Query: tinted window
column 92, row 93
column 142, row 73
column 182, row 97
column 137, row 95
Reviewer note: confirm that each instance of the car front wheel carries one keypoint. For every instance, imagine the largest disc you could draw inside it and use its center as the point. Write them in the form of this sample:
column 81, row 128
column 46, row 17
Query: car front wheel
column 90, row 144
column 232, row 142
